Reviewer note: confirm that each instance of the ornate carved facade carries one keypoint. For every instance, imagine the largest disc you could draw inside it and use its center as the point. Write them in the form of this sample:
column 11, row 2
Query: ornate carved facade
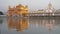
column 18, row 10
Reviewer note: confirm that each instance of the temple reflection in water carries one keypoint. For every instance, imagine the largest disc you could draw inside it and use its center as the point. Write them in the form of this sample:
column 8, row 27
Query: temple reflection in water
column 48, row 22
column 18, row 24
column 25, row 23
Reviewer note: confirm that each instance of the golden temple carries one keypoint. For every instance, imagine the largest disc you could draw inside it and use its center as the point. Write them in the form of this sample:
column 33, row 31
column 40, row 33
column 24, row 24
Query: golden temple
column 19, row 10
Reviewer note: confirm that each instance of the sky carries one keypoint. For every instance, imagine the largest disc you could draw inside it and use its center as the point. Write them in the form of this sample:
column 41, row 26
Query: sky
column 32, row 4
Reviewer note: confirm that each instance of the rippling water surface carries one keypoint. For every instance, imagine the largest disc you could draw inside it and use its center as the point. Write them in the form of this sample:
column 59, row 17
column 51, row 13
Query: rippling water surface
column 31, row 25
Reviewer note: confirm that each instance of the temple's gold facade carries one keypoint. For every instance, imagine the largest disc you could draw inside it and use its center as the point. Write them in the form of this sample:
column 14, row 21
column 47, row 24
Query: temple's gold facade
column 18, row 10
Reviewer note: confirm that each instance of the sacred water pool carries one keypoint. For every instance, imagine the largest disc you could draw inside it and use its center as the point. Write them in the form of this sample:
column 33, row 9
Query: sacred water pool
column 31, row 25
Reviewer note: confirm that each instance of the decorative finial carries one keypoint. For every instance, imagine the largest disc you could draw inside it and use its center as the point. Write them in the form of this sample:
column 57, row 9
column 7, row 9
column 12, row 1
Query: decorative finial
column 50, row 5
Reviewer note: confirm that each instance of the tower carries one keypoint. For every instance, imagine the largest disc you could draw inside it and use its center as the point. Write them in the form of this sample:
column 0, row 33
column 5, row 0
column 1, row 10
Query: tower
column 9, row 13
column 50, row 8
column 9, row 7
column 49, row 5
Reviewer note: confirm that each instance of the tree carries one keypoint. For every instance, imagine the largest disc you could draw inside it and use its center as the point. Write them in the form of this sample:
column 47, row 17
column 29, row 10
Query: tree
column 1, row 13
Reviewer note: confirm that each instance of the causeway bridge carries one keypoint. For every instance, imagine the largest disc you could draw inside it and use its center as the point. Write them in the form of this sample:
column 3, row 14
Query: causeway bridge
column 42, row 14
